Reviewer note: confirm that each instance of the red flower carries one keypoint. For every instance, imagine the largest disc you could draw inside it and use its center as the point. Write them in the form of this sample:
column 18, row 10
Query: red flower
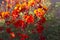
column 12, row 35
column 19, row 24
column 23, row 35
column 42, row 20
column 15, row 14
column 6, row 15
column 29, row 19
column 37, row 1
column 40, row 28
column 22, row 39
column 42, row 38
column 0, row 14
column 8, row 30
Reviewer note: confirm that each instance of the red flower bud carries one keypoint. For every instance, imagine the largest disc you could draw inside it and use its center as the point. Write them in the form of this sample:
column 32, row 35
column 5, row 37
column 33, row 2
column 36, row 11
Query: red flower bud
column 22, row 39
column 19, row 24
column 42, row 38
column 23, row 35
column 8, row 30
column 12, row 35
column 15, row 14
column 29, row 19
column 40, row 28
column 41, row 21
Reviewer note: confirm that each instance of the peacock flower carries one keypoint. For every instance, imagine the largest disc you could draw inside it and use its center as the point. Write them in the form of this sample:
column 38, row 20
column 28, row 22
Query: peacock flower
column 41, row 21
column 39, row 28
column 24, row 4
column 22, row 14
column 9, row 6
column 31, row 3
column 17, row 7
column 39, row 12
column 5, row 14
column 19, row 24
column 45, row 8
column 15, row 14
column 8, row 30
column 23, row 36
column 37, row 1
column 29, row 19
column 42, row 37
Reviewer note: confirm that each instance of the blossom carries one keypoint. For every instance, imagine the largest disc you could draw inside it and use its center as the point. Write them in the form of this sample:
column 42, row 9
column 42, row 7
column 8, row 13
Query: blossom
column 45, row 8
column 8, row 30
column 39, row 12
column 12, row 34
column 31, row 3
column 0, row 14
column 22, row 39
column 37, row 1
column 24, row 36
column 19, row 24
column 5, row 14
column 42, row 20
column 21, row 14
column 39, row 28
column 42, row 37
column 14, row 14
column 29, row 19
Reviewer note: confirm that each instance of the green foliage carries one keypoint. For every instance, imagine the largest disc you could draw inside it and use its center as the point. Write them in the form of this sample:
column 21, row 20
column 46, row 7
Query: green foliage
column 52, row 25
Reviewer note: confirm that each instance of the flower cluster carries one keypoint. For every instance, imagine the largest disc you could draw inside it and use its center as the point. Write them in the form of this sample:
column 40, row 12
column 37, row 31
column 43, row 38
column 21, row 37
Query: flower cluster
column 21, row 14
